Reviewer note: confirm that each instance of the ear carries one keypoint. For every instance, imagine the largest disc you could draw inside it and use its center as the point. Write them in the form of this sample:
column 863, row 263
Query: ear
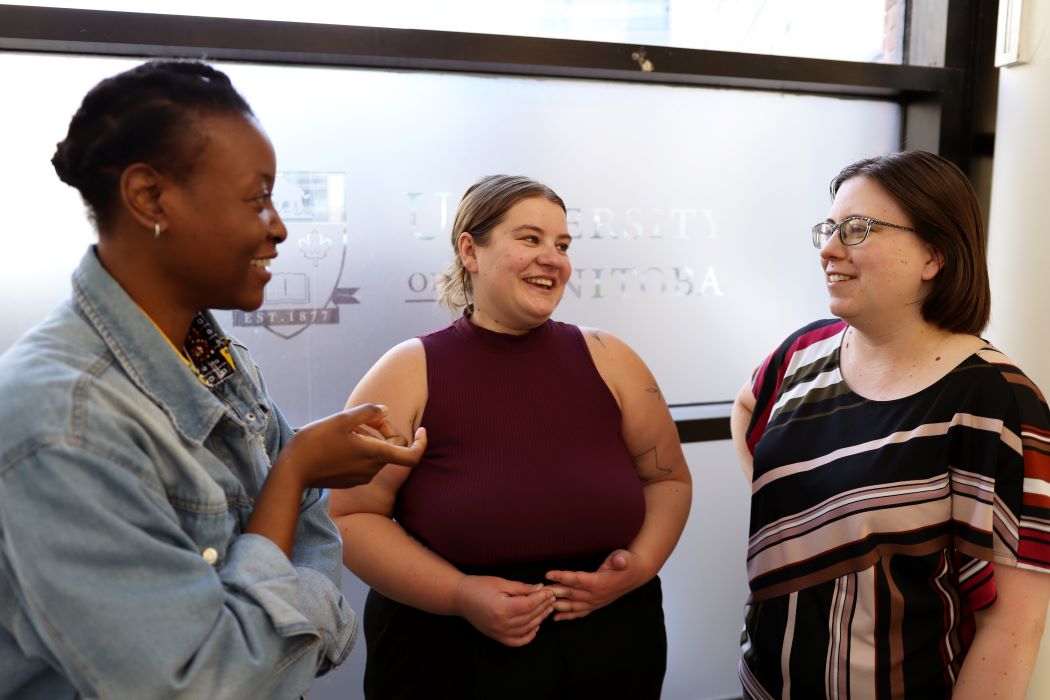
column 934, row 264
column 140, row 190
column 468, row 251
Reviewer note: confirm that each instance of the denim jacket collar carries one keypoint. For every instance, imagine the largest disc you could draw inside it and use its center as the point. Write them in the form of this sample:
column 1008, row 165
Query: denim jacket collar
column 146, row 356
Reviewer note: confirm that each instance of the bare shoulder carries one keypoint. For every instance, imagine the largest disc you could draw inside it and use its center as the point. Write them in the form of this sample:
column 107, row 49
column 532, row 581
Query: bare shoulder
column 398, row 380
column 605, row 346
column 618, row 364
column 405, row 358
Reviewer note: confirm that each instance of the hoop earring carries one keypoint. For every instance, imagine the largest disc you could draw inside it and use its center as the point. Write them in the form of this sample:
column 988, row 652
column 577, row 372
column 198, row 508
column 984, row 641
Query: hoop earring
column 156, row 229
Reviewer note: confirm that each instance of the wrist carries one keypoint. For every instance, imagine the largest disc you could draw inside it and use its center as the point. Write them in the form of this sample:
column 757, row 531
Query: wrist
column 285, row 476
column 456, row 600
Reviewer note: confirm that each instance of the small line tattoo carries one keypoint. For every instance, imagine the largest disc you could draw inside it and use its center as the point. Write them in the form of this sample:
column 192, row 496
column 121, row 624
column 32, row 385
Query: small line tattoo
column 648, row 466
column 598, row 336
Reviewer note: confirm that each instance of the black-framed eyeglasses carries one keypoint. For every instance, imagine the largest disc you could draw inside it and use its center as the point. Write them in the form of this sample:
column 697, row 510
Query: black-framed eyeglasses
column 852, row 230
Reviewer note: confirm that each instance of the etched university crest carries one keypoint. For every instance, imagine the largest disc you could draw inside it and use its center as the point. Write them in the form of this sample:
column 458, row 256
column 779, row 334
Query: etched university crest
column 307, row 285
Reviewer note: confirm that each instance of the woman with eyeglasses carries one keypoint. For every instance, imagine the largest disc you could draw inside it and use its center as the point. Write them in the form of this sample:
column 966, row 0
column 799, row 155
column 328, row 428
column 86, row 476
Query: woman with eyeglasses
column 899, row 464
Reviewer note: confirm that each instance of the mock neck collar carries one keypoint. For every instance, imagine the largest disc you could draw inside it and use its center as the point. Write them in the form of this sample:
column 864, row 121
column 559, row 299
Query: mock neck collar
column 506, row 342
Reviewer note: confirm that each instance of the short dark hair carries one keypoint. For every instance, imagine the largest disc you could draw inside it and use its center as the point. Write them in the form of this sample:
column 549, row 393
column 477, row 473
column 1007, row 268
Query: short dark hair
column 481, row 209
column 143, row 115
column 938, row 198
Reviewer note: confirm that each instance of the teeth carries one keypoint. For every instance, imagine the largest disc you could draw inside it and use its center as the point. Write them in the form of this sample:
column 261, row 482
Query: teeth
column 261, row 262
column 540, row 281
column 838, row 278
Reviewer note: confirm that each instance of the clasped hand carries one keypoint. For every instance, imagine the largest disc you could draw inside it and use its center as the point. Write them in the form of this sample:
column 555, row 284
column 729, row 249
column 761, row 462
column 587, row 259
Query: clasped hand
column 511, row 612
column 508, row 611
column 579, row 593
column 348, row 448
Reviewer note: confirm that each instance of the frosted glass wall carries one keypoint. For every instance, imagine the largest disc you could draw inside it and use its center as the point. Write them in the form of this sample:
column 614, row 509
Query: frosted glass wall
column 691, row 209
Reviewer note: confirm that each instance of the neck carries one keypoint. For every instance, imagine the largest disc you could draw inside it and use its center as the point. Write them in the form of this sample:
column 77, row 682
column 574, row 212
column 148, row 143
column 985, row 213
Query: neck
column 894, row 362
column 893, row 342
column 134, row 272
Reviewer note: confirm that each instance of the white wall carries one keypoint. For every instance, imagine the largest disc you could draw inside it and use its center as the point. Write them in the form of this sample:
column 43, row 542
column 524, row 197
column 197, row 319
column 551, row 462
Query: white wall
column 1019, row 244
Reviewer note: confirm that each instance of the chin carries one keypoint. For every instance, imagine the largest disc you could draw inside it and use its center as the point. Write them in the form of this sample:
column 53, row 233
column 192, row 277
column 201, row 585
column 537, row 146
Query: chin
column 243, row 303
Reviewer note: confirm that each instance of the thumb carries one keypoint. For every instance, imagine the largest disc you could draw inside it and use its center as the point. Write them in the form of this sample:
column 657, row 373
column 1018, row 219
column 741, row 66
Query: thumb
column 365, row 413
column 519, row 588
column 617, row 561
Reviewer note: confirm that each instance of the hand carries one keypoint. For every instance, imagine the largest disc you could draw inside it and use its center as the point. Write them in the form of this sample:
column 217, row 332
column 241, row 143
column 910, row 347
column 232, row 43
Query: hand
column 348, row 448
column 508, row 611
column 578, row 593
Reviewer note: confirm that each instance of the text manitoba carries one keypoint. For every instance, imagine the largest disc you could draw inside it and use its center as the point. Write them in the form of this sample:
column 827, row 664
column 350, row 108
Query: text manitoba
column 616, row 282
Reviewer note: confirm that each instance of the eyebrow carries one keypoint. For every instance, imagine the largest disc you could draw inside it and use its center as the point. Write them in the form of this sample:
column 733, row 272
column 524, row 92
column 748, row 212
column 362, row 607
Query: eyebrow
column 537, row 229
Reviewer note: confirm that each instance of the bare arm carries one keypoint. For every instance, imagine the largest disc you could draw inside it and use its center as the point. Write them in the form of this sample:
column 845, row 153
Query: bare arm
column 739, row 419
column 375, row 548
column 652, row 439
column 999, row 664
column 344, row 449
column 382, row 554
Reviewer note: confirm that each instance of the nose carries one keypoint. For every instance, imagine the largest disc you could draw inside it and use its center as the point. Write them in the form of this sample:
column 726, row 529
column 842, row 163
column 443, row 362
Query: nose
column 278, row 231
column 833, row 247
column 550, row 256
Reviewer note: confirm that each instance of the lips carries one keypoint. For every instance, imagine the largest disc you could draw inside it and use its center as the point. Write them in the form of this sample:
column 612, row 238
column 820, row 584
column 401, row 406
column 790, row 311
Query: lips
column 837, row 277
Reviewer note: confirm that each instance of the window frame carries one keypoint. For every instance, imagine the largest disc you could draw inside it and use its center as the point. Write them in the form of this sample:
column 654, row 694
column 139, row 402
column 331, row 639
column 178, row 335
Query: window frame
column 938, row 103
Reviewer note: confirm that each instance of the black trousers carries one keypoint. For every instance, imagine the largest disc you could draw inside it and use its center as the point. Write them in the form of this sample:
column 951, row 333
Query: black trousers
column 619, row 651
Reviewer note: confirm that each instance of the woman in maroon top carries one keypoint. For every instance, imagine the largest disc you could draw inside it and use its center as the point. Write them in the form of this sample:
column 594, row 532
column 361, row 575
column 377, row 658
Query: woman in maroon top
column 519, row 558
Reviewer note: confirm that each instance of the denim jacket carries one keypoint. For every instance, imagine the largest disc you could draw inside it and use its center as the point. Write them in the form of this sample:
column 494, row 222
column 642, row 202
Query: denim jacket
column 125, row 488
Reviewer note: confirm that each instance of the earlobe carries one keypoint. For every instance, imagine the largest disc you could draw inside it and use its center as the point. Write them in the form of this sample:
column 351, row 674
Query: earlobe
column 933, row 266
column 140, row 188
column 467, row 251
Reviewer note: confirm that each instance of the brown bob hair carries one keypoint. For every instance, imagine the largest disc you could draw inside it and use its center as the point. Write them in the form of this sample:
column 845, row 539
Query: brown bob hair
column 481, row 209
column 943, row 208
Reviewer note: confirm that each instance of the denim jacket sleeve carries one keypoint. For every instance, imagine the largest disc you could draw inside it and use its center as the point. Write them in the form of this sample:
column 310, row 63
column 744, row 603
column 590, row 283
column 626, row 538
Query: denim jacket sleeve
column 317, row 557
column 252, row 624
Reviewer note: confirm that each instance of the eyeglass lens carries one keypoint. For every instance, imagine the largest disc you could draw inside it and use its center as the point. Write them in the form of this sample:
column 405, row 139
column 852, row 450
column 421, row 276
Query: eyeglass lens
column 852, row 232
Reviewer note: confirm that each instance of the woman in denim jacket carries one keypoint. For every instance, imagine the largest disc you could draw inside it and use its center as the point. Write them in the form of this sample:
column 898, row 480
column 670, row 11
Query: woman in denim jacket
column 162, row 530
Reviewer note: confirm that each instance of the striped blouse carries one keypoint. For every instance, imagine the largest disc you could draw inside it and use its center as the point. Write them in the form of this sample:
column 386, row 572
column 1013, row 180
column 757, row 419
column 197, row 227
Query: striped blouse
column 876, row 526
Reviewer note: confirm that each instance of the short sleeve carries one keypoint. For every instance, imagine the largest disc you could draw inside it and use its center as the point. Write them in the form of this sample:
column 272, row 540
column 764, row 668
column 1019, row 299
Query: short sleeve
column 1001, row 508
column 768, row 378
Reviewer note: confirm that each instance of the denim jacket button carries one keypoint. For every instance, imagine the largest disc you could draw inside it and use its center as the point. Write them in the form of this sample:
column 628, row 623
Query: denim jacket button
column 210, row 555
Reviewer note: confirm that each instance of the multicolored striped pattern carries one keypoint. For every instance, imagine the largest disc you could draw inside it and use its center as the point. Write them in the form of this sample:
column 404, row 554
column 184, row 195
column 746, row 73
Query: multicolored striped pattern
column 876, row 526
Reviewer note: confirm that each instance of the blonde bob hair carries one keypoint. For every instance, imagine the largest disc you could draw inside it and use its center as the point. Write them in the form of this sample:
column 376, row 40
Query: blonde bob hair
column 481, row 209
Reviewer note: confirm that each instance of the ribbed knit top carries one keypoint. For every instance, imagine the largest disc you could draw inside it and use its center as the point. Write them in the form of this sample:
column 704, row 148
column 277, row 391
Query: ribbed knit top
column 524, row 460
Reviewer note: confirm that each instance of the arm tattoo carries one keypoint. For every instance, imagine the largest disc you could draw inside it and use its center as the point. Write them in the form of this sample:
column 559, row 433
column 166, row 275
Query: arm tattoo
column 654, row 389
column 648, row 466
column 598, row 336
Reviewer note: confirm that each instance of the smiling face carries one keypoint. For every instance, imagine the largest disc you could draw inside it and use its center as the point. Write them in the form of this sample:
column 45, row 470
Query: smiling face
column 884, row 279
column 519, row 277
column 221, row 227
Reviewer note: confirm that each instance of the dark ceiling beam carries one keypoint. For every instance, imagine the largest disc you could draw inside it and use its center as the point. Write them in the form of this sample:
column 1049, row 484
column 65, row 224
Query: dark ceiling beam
column 58, row 30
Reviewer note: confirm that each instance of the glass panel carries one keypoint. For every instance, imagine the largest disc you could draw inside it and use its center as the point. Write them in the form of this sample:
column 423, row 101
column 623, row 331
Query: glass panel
column 854, row 30
column 663, row 185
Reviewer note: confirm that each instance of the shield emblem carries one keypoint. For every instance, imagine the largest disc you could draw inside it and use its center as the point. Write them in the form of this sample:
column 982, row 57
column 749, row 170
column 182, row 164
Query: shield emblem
column 306, row 286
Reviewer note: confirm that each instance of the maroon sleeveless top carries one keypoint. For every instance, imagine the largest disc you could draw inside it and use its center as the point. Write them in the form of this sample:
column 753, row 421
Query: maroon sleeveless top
column 524, row 459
